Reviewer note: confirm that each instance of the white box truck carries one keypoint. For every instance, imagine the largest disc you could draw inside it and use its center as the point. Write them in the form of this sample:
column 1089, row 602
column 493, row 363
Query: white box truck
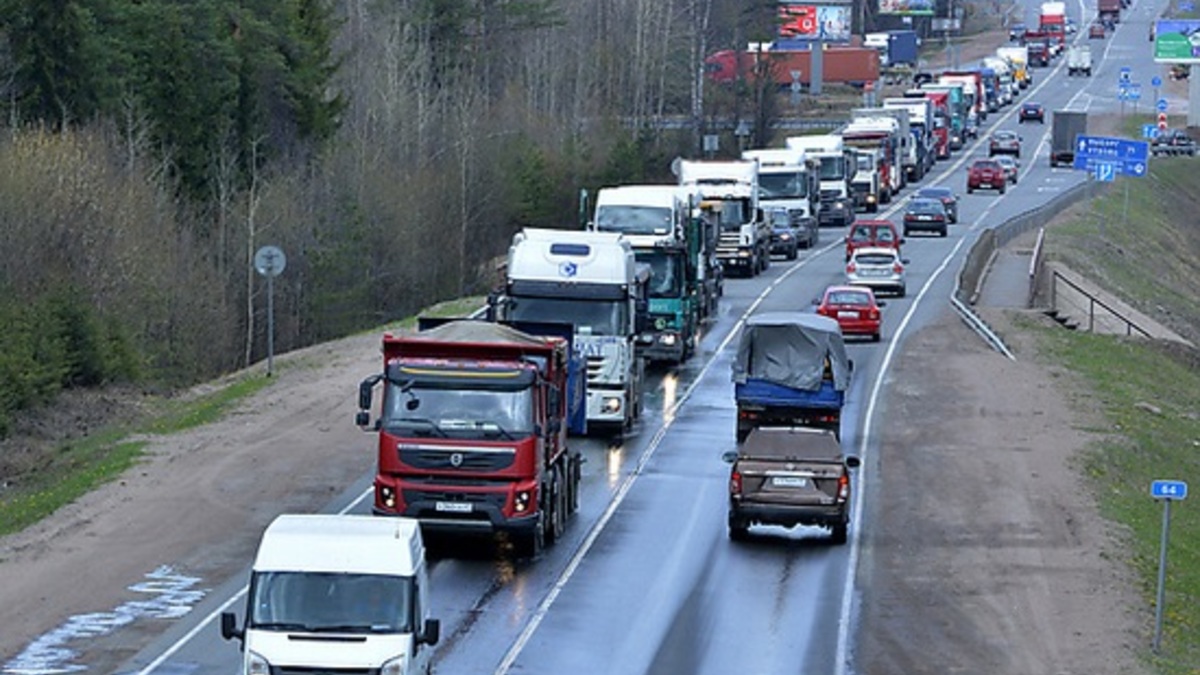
column 332, row 593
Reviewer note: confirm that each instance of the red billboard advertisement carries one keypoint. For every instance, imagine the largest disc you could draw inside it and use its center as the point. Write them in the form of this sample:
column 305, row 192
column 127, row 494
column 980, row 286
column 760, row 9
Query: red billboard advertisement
column 823, row 22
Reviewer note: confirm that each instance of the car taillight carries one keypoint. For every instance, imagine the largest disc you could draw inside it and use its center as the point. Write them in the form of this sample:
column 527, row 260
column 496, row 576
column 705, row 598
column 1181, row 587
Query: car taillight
column 898, row 268
column 873, row 314
column 843, row 487
column 735, row 484
column 851, row 268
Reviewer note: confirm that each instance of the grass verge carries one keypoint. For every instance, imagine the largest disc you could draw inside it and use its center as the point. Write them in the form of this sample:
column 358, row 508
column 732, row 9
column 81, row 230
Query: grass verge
column 73, row 469
column 1150, row 398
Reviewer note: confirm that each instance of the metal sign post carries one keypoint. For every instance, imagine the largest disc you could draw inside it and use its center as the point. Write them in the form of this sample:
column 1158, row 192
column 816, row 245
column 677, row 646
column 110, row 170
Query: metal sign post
column 1166, row 491
column 269, row 261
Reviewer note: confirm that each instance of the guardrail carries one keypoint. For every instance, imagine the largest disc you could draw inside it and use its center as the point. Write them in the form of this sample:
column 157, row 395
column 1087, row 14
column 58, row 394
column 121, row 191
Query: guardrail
column 975, row 266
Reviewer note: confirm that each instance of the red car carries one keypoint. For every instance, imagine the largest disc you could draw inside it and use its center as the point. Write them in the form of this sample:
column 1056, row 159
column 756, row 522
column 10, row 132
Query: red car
column 986, row 174
column 864, row 233
column 854, row 308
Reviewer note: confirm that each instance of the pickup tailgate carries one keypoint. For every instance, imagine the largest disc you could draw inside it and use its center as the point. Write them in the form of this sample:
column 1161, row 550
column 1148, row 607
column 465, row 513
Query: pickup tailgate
column 796, row 483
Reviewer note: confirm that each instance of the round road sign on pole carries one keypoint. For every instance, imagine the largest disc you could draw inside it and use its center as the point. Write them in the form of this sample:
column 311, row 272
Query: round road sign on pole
column 1156, row 81
column 269, row 261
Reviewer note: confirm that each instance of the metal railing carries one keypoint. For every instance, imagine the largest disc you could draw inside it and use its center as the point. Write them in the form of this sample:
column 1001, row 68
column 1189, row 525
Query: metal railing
column 1092, row 303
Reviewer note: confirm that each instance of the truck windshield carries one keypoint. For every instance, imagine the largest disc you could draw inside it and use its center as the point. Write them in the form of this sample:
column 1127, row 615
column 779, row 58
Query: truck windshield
column 866, row 163
column 590, row 317
column 729, row 214
column 451, row 409
column 833, row 168
column 330, row 602
column 633, row 219
column 788, row 185
column 665, row 273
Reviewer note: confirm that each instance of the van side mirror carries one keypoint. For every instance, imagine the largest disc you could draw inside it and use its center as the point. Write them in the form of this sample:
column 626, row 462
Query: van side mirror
column 229, row 629
column 430, row 633
column 853, row 462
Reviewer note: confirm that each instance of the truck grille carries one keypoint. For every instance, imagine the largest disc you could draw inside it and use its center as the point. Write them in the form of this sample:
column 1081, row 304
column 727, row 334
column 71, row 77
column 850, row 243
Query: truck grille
column 457, row 459
column 830, row 196
column 595, row 369
column 494, row 498
column 727, row 243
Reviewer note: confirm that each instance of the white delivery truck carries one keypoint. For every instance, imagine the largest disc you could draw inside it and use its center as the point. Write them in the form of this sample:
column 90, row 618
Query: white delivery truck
column 787, row 181
column 593, row 281
column 329, row 593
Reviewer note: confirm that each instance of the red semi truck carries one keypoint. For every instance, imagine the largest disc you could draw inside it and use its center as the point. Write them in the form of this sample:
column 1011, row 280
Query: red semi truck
column 473, row 431
column 841, row 65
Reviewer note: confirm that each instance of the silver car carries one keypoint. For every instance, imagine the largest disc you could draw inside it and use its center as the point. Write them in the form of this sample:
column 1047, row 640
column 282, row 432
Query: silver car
column 881, row 269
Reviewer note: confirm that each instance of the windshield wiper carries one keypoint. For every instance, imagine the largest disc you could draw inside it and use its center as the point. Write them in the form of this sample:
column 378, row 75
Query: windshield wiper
column 416, row 422
column 490, row 426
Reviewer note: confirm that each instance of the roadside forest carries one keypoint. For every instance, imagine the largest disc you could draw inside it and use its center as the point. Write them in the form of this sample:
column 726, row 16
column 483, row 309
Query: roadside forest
column 389, row 147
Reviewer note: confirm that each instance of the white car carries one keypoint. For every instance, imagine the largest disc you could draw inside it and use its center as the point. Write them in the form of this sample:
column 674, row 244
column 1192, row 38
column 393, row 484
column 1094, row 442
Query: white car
column 881, row 269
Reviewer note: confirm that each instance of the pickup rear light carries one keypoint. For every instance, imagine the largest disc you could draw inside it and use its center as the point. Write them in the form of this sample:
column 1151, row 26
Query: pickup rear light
column 843, row 492
column 735, row 483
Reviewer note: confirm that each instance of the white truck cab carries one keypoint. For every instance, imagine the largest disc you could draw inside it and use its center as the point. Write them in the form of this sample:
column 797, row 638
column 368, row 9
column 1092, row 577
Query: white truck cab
column 337, row 593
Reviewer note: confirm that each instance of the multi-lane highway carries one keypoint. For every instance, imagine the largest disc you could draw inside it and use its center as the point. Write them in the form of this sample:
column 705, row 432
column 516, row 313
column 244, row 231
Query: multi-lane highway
column 646, row 580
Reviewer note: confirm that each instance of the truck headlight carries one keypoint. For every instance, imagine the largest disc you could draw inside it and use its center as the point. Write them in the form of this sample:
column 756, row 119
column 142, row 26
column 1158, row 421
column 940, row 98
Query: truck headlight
column 394, row 666
column 870, row 199
column 612, row 404
column 257, row 665
column 387, row 496
column 521, row 501
column 743, row 253
column 839, row 205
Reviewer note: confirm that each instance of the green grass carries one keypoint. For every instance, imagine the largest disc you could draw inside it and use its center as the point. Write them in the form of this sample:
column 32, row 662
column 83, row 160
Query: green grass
column 1123, row 376
column 76, row 468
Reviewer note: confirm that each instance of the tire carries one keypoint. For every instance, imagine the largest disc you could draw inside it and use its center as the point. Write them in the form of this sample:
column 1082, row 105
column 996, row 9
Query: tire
column 970, row 190
column 876, row 337
column 557, row 509
column 902, row 292
column 945, row 232
column 574, row 472
column 530, row 544
column 839, row 534
column 1002, row 189
column 738, row 530
column 795, row 252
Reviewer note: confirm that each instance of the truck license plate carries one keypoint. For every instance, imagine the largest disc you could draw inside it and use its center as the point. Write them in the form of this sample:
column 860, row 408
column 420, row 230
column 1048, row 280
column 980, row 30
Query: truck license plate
column 789, row 481
column 453, row 507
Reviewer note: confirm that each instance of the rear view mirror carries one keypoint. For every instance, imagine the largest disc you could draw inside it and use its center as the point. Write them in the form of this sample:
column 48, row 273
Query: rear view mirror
column 881, row 303
column 853, row 462
column 729, row 456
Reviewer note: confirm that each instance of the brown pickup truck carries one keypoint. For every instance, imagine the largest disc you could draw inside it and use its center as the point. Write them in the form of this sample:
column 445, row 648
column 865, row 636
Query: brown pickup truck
column 790, row 476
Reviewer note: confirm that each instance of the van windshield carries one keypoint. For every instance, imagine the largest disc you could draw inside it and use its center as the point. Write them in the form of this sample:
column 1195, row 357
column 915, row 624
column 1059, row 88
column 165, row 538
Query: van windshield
column 331, row 602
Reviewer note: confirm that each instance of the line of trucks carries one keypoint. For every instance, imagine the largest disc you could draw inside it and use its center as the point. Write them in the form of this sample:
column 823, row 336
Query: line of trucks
column 474, row 415
column 788, row 61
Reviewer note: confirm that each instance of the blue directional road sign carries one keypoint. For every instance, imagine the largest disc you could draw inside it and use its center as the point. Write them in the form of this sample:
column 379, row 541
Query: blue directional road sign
column 1169, row 489
column 1187, row 6
column 1135, row 91
column 1161, row 105
column 1130, row 157
column 1105, row 172
column 1149, row 131
column 1156, row 81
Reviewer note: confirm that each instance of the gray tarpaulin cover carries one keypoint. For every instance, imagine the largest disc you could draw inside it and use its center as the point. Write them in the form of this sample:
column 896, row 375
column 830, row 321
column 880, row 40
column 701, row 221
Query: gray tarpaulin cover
column 789, row 348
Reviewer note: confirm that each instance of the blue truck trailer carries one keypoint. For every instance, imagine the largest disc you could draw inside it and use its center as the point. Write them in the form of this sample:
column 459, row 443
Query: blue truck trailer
column 791, row 370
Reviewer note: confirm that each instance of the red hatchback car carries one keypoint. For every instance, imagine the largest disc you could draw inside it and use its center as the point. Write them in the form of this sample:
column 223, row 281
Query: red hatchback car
column 872, row 233
column 854, row 308
column 986, row 174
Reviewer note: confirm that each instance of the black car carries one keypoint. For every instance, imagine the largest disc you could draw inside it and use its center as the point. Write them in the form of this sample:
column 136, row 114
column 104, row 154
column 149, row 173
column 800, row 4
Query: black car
column 944, row 194
column 1031, row 112
column 925, row 215
column 789, row 233
column 1173, row 142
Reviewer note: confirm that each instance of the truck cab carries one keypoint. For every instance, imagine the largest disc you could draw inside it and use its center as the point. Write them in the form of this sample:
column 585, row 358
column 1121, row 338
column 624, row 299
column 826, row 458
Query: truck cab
column 835, row 168
column 591, row 280
column 866, row 182
column 657, row 221
column 337, row 593
column 728, row 194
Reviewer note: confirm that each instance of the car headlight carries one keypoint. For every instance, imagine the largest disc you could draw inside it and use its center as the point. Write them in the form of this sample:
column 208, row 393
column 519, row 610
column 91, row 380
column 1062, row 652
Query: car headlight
column 785, row 237
column 256, row 664
column 612, row 404
column 668, row 339
column 394, row 666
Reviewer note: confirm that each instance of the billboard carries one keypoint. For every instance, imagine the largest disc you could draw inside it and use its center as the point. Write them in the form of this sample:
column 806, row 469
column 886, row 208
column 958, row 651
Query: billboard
column 906, row 7
column 815, row 22
column 1177, row 41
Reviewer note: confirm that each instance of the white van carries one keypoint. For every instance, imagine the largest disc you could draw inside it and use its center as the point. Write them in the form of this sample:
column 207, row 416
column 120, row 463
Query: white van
column 337, row 592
